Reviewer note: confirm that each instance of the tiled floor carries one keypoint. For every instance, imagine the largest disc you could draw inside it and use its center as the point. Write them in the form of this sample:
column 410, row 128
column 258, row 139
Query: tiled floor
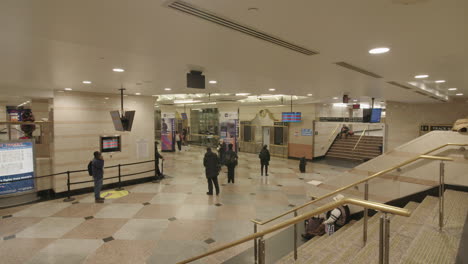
column 159, row 222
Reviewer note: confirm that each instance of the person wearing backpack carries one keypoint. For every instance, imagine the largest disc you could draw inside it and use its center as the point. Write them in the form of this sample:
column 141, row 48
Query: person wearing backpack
column 230, row 158
column 264, row 160
column 97, row 168
column 212, row 168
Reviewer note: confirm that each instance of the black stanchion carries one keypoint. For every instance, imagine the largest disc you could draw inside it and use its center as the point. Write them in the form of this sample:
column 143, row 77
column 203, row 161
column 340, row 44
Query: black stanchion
column 69, row 198
column 156, row 176
column 120, row 180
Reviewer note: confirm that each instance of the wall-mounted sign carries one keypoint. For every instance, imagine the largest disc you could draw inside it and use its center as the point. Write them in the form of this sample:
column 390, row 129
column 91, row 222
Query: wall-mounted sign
column 280, row 124
column 16, row 163
column 341, row 119
column 306, row 132
column 426, row 128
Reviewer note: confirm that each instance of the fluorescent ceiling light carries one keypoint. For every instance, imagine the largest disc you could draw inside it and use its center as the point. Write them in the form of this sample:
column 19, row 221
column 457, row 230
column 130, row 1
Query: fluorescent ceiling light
column 213, row 82
column 355, row 100
column 242, row 94
column 185, row 101
column 87, row 82
column 452, row 89
column 440, row 81
column 118, row 70
column 459, row 94
column 379, row 50
column 167, row 89
column 421, row 76
column 309, row 94
column 68, row 89
column 272, row 89
column 137, row 93
column 335, row 98
column 340, row 105
column 106, row 98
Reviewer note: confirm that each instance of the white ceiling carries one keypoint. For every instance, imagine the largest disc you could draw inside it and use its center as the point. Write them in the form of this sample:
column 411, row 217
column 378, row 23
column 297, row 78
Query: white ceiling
column 52, row 44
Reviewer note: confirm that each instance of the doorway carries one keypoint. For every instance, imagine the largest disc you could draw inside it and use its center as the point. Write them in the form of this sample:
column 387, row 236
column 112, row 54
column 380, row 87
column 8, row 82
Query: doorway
column 266, row 136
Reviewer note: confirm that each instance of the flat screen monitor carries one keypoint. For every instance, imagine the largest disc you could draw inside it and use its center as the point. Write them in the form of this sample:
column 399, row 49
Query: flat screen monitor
column 376, row 115
column 184, row 116
column 195, row 79
column 110, row 144
column 115, row 115
column 292, row 117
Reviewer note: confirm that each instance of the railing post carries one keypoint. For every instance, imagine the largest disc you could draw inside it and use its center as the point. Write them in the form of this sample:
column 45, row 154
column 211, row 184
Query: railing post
column 255, row 244
column 69, row 198
column 384, row 240
column 261, row 251
column 366, row 213
column 387, row 239
column 441, row 194
column 381, row 240
column 120, row 180
column 295, row 237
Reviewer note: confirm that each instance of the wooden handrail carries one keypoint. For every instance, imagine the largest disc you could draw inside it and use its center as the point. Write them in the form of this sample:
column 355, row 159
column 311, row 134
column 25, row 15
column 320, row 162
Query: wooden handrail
column 363, row 203
column 422, row 156
column 359, row 140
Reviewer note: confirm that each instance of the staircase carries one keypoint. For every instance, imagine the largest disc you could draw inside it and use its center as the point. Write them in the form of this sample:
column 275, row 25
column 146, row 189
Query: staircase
column 368, row 148
column 414, row 239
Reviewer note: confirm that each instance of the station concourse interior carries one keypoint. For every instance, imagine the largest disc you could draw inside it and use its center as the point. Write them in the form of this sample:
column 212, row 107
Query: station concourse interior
column 370, row 95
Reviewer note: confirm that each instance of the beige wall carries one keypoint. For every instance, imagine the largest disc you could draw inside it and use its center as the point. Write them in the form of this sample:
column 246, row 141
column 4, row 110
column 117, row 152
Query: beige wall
column 403, row 120
column 79, row 120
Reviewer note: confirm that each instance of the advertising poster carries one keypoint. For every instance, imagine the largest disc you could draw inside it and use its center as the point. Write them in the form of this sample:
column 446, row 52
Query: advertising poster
column 167, row 131
column 16, row 162
column 229, row 128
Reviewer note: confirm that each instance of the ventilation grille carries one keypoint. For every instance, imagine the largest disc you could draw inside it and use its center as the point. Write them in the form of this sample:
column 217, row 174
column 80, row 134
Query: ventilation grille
column 399, row 85
column 357, row 69
column 192, row 10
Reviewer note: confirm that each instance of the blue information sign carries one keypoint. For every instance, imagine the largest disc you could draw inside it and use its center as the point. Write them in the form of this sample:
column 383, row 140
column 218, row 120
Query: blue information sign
column 16, row 163
column 306, row 132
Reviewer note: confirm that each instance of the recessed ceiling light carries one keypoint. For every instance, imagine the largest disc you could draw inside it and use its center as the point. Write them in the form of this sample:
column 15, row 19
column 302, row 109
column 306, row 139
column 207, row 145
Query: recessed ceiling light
column 213, row 82
column 137, row 93
column 68, row 89
column 440, row 81
column 309, row 94
column 421, row 76
column 272, row 89
column 107, row 98
column 87, row 82
column 355, row 100
column 118, row 70
column 379, row 50
column 242, row 94
column 335, row 98
column 167, row 89
column 452, row 89
column 459, row 94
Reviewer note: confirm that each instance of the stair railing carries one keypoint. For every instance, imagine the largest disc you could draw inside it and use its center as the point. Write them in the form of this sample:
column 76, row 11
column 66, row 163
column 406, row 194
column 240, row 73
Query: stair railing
column 359, row 140
column 333, row 133
column 384, row 239
column 366, row 194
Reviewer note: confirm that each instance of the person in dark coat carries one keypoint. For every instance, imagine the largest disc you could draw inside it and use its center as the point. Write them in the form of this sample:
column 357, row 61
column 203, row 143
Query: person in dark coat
column 264, row 159
column 98, row 175
column 230, row 159
column 212, row 167
column 157, row 156
column 222, row 151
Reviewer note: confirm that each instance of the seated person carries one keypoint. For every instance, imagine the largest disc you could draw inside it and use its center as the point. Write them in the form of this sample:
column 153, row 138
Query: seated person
column 345, row 131
column 337, row 217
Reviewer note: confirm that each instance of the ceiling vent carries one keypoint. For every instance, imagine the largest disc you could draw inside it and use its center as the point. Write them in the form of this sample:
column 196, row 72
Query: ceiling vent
column 214, row 18
column 399, row 85
column 357, row 69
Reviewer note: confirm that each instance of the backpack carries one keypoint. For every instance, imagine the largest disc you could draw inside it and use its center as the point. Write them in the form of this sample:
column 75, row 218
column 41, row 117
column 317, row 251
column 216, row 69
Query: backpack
column 90, row 168
column 262, row 155
column 230, row 158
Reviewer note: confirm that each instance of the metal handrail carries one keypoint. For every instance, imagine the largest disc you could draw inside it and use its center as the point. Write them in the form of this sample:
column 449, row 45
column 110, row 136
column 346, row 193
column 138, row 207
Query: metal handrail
column 422, row 156
column 366, row 204
column 332, row 133
column 359, row 140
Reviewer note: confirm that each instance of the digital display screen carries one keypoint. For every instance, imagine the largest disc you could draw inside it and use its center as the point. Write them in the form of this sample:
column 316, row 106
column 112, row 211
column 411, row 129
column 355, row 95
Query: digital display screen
column 110, row 144
column 376, row 115
column 184, row 116
column 292, row 117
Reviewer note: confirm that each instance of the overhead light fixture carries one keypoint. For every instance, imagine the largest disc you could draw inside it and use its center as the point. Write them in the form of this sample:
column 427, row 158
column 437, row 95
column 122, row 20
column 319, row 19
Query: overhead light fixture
column 242, row 94
column 421, row 76
column 335, row 98
column 118, row 70
column 452, row 89
column 137, row 93
column 87, row 82
column 272, row 89
column 340, row 105
column 354, row 100
column 440, row 81
column 68, row 89
column 107, row 98
column 309, row 94
column 459, row 94
column 186, row 101
column 167, row 89
column 213, row 82
column 379, row 50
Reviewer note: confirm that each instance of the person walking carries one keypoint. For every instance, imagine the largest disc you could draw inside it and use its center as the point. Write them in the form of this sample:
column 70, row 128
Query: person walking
column 178, row 139
column 157, row 156
column 212, row 168
column 98, row 174
column 230, row 159
column 264, row 159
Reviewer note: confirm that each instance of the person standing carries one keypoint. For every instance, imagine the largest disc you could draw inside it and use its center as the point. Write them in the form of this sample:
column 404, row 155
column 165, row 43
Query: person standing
column 157, row 156
column 230, row 158
column 178, row 140
column 264, row 159
column 212, row 167
column 184, row 135
column 222, row 151
column 98, row 174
